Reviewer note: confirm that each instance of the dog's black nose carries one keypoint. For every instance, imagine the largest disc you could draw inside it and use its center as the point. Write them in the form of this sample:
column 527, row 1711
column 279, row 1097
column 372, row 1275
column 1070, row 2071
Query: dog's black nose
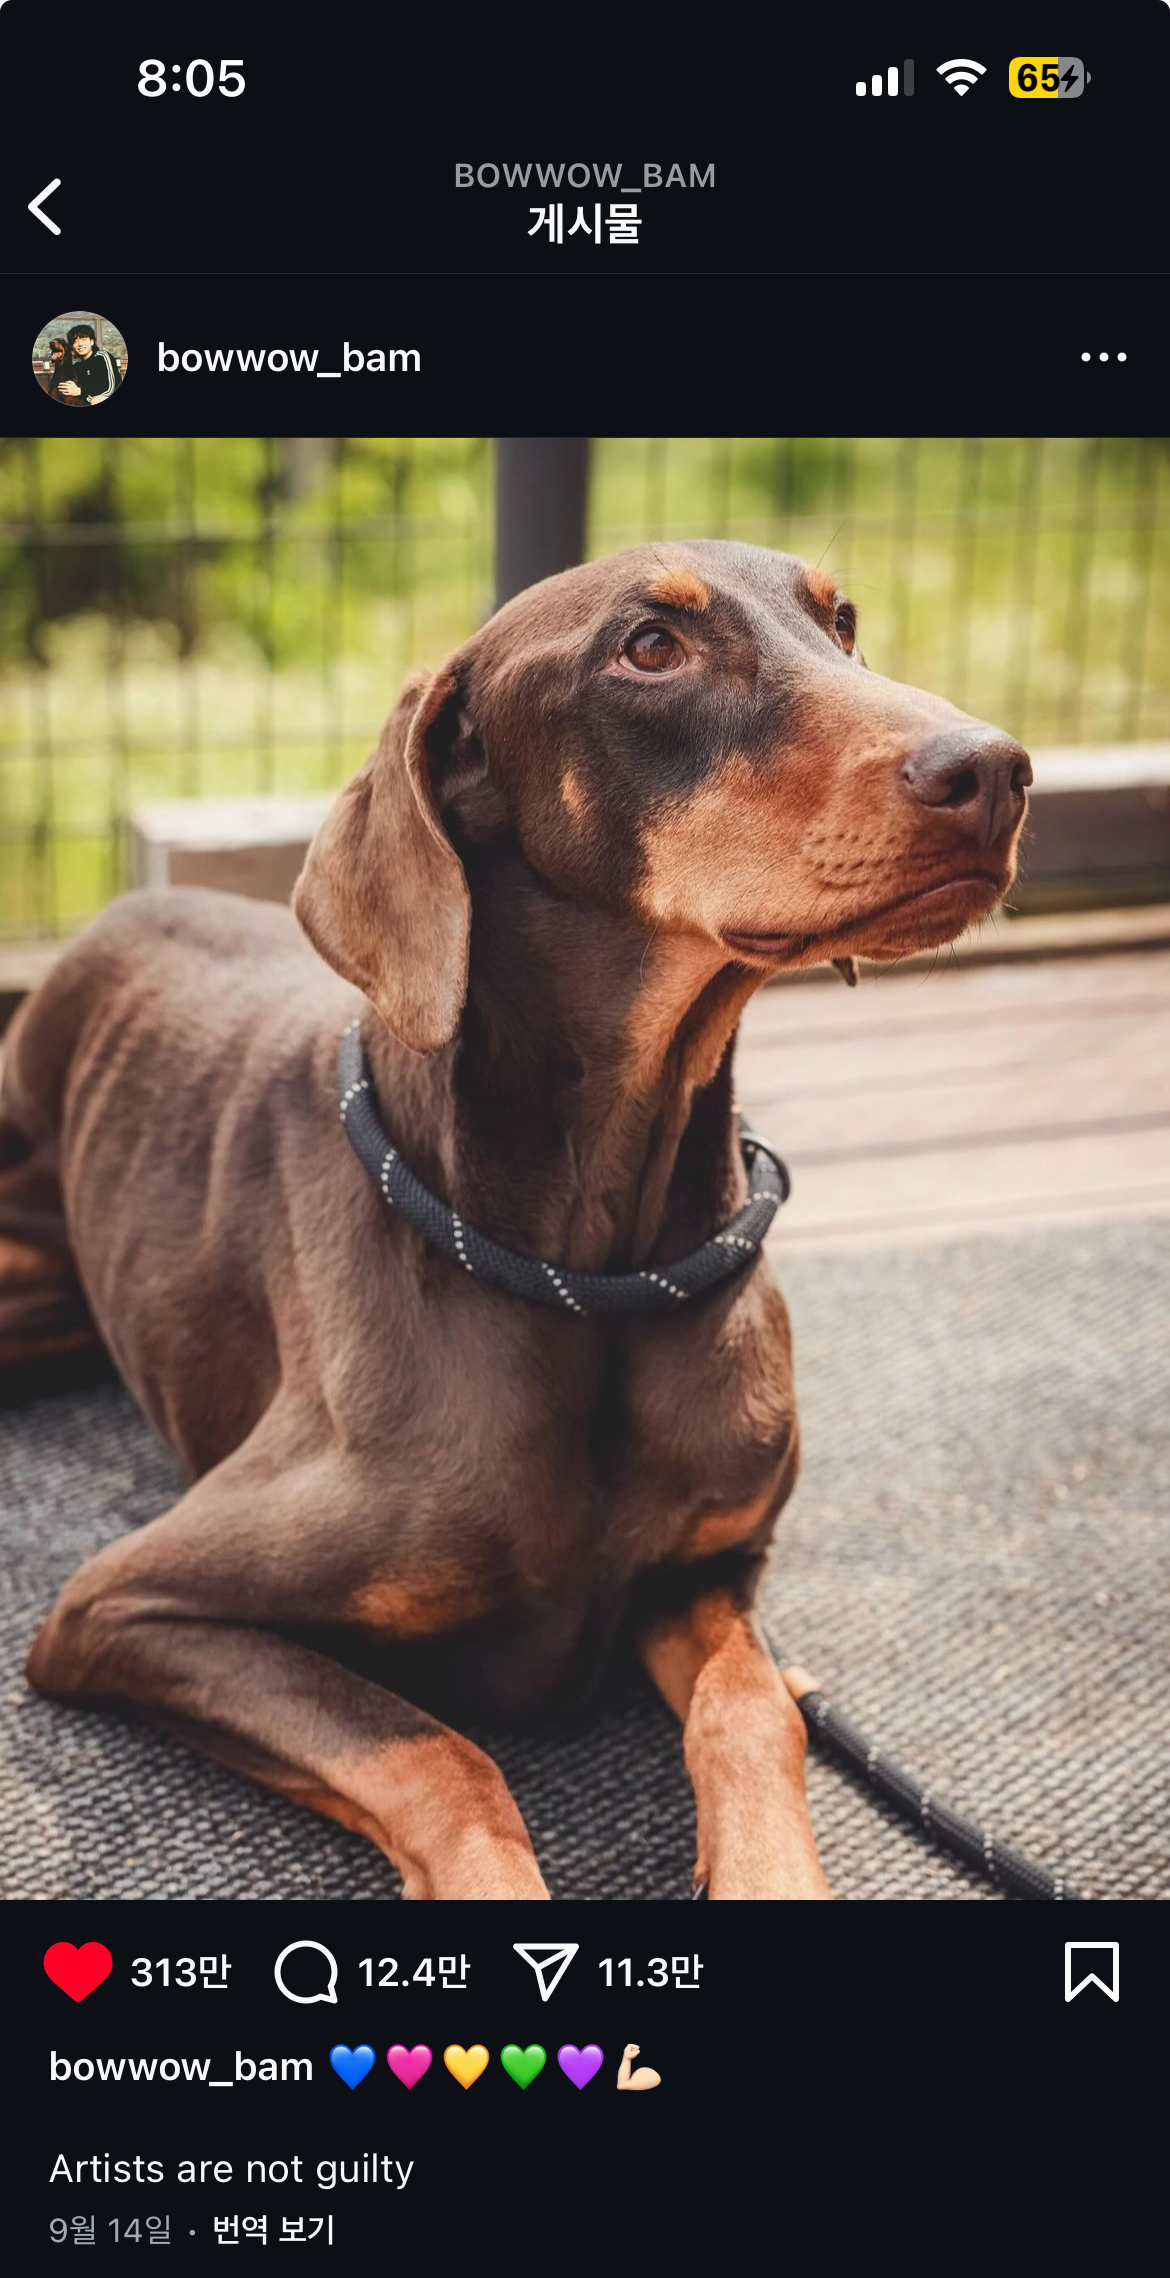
column 980, row 778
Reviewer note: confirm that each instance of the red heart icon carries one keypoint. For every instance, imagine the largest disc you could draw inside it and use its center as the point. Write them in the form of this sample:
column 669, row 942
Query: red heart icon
column 78, row 1969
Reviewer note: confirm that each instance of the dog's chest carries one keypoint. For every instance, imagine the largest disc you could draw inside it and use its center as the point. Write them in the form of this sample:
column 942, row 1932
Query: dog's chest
column 689, row 1426
column 574, row 1464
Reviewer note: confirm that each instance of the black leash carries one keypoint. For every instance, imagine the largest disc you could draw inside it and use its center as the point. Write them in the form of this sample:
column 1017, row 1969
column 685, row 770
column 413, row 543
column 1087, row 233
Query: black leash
column 651, row 1291
column 1013, row 1874
column 725, row 1254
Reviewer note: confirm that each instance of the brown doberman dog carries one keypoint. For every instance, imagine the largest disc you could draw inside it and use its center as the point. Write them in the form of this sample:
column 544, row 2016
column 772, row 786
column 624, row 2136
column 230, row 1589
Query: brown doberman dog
column 644, row 787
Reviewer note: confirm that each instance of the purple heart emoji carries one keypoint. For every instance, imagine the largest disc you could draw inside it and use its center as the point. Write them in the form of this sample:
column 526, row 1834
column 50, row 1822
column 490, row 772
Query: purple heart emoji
column 580, row 2064
column 409, row 2065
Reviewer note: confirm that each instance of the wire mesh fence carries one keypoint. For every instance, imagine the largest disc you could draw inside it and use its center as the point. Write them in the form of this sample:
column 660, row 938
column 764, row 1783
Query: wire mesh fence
column 197, row 617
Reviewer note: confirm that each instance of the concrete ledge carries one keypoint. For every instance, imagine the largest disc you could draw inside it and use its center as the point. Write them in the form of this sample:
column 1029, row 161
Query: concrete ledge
column 1100, row 824
column 242, row 846
column 1061, row 768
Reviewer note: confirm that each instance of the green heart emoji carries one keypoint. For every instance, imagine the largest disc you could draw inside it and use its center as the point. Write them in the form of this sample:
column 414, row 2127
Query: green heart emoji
column 522, row 2065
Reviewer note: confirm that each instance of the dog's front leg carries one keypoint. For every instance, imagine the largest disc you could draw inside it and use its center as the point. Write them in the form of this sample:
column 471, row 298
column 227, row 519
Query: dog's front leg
column 744, row 1742
column 171, row 1622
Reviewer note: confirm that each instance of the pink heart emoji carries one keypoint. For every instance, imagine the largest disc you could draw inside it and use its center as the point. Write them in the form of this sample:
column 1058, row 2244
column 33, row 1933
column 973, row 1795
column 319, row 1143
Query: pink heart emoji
column 409, row 2065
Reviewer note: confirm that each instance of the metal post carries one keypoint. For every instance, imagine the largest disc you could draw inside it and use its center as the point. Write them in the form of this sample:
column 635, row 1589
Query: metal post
column 541, row 487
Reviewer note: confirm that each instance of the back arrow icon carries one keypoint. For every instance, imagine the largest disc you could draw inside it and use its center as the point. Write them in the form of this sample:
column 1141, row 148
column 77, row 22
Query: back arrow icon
column 35, row 204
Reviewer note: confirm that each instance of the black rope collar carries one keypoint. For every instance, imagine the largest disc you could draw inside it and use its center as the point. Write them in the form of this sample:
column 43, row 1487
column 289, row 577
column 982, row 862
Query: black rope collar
column 727, row 1253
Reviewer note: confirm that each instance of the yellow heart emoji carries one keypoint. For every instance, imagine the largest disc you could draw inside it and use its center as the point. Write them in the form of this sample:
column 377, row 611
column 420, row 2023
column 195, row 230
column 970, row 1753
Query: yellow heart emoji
column 466, row 2064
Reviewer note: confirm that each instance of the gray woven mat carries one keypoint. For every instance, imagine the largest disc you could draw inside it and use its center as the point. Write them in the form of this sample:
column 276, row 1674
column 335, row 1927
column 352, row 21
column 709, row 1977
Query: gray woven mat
column 975, row 1566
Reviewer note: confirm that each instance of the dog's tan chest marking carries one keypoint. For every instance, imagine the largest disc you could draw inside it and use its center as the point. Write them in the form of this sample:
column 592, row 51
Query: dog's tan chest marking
column 714, row 1531
column 573, row 795
column 398, row 1609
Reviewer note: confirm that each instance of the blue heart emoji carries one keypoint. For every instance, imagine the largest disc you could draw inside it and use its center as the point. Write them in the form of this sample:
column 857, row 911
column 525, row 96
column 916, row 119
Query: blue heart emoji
column 352, row 2064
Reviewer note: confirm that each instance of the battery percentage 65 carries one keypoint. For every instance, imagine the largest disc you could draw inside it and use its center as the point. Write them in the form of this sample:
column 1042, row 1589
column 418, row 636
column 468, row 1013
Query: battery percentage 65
column 1059, row 75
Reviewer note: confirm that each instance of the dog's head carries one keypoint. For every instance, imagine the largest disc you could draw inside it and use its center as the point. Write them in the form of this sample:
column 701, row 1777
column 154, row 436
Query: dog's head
column 687, row 736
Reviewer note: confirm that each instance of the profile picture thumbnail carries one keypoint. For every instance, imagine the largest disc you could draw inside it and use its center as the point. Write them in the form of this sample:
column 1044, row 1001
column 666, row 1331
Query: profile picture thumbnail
column 79, row 359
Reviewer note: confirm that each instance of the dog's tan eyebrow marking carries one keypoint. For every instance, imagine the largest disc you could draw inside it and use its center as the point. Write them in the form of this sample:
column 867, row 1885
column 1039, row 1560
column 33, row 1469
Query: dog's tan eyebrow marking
column 822, row 587
column 680, row 588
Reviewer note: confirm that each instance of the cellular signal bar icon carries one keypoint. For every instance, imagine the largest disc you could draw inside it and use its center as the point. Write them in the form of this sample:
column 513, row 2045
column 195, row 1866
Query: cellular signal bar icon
column 890, row 81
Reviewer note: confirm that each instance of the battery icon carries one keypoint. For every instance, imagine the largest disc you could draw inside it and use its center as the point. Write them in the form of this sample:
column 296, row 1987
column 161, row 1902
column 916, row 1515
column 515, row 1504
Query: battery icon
column 1061, row 76
column 887, row 81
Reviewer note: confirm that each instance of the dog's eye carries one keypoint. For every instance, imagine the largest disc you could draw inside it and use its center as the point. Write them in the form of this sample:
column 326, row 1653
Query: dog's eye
column 846, row 623
column 654, row 649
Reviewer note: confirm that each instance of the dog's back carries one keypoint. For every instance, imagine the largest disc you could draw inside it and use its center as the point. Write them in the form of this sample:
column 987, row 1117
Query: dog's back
column 168, row 1056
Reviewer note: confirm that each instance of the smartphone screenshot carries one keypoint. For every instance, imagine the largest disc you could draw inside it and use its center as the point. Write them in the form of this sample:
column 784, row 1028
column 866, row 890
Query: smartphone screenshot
column 584, row 1117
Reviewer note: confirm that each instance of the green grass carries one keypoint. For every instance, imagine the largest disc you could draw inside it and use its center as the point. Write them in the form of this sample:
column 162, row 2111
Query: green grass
column 260, row 643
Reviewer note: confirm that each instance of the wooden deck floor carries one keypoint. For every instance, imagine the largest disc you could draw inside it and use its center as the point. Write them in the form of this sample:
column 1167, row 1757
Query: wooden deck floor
column 929, row 1105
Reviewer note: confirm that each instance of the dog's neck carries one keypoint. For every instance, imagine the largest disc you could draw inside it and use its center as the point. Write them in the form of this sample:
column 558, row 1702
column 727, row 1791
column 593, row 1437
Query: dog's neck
column 584, row 1112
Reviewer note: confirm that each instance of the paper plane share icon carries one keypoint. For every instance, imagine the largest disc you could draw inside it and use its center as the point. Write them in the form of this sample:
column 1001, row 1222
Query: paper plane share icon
column 550, row 1963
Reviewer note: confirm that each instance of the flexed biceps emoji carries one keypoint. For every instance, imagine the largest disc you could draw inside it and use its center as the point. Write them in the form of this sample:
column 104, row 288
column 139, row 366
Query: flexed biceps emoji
column 644, row 2077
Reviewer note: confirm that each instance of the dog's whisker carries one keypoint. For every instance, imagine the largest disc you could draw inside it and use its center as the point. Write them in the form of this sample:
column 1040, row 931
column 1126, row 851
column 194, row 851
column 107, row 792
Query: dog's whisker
column 833, row 540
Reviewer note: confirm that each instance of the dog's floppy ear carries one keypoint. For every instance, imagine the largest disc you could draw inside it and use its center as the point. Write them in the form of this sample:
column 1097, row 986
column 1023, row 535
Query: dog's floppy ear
column 382, row 896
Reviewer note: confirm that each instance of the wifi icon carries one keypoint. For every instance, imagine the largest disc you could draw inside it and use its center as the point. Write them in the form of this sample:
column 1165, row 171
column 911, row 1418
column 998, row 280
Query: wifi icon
column 961, row 73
